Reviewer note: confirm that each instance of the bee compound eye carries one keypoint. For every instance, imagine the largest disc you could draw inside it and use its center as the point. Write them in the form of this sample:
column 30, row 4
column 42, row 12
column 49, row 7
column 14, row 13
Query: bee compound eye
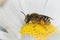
column 25, row 20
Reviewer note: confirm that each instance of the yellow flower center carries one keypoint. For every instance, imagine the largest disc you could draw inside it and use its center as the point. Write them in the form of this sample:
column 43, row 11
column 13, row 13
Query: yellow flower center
column 39, row 32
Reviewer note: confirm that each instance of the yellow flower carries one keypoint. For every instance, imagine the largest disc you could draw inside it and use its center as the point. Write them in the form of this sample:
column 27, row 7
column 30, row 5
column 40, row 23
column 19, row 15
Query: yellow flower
column 39, row 32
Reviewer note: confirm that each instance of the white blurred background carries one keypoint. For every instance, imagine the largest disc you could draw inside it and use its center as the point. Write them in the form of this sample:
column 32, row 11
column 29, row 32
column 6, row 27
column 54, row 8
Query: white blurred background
column 12, row 19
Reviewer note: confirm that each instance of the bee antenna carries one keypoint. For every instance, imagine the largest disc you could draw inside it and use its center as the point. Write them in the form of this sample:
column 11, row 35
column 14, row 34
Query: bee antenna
column 23, row 13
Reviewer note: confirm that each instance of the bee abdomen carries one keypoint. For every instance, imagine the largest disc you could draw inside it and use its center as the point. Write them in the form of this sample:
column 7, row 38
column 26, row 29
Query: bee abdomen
column 46, row 19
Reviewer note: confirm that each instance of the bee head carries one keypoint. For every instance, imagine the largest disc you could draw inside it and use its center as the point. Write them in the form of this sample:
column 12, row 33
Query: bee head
column 27, row 18
column 32, row 17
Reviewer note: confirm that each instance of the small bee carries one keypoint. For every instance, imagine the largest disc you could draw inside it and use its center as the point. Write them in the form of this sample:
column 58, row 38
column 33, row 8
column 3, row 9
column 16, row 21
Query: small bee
column 35, row 17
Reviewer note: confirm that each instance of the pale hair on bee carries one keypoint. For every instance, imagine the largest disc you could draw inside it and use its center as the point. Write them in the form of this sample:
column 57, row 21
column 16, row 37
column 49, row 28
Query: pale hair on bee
column 35, row 17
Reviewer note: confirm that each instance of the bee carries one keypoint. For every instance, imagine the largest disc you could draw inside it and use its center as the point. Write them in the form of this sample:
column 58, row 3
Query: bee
column 34, row 28
column 36, row 18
